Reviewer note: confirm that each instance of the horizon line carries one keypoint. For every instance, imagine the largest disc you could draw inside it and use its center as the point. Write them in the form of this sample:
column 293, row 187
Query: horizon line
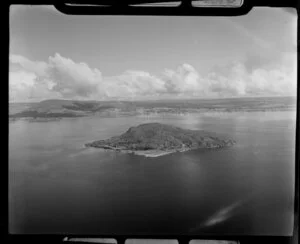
column 155, row 100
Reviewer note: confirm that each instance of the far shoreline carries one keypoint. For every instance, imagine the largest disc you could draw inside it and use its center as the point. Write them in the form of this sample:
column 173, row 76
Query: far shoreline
column 151, row 114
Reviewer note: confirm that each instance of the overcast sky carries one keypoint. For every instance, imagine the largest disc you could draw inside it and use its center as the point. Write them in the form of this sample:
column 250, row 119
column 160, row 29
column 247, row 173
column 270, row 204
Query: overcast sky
column 53, row 55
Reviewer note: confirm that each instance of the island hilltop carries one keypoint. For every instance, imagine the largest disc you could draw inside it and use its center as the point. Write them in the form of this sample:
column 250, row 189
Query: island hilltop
column 155, row 139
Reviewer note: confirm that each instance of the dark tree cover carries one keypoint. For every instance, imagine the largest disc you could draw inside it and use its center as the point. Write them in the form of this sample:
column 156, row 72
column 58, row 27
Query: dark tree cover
column 163, row 137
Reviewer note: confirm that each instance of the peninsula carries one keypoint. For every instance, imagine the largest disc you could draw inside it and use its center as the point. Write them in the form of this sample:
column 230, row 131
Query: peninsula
column 155, row 139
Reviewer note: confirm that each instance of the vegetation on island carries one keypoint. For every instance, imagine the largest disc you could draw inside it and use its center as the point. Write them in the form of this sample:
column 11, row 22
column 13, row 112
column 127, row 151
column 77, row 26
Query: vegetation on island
column 161, row 138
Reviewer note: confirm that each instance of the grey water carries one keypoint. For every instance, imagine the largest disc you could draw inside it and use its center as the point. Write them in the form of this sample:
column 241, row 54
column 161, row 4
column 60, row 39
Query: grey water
column 56, row 185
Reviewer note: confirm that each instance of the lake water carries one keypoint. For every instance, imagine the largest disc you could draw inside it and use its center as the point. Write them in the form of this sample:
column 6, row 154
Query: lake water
column 58, row 186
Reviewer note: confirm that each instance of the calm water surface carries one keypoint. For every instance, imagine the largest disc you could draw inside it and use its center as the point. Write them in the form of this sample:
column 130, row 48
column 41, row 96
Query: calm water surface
column 58, row 186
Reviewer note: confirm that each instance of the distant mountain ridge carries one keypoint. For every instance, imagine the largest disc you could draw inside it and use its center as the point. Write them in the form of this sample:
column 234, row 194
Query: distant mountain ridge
column 67, row 108
column 76, row 108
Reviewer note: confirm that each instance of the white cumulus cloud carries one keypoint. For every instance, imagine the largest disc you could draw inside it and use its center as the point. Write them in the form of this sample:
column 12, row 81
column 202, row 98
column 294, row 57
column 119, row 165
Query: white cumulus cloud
column 25, row 86
column 72, row 79
column 61, row 77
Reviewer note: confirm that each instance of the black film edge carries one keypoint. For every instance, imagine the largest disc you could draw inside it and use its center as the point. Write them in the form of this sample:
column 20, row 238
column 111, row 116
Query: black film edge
column 114, row 7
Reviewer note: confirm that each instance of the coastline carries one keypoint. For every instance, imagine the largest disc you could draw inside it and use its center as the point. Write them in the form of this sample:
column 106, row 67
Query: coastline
column 146, row 153
column 152, row 153
column 156, row 153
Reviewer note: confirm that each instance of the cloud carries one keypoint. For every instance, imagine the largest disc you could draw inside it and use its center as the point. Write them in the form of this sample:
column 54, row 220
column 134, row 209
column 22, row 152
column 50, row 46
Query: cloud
column 229, row 81
column 21, row 79
column 72, row 79
column 184, row 80
column 264, row 78
column 25, row 86
column 36, row 67
column 61, row 77
column 138, row 83
column 275, row 82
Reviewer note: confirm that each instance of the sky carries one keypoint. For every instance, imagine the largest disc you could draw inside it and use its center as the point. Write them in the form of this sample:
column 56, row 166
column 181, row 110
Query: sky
column 58, row 56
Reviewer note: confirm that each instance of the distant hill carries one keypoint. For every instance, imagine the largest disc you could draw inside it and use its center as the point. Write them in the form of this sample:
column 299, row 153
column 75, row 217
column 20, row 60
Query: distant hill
column 160, row 139
column 67, row 108
column 72, row 108
column 18, row 107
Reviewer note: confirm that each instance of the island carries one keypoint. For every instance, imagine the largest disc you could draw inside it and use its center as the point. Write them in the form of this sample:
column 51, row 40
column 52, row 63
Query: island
column 156, row 139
